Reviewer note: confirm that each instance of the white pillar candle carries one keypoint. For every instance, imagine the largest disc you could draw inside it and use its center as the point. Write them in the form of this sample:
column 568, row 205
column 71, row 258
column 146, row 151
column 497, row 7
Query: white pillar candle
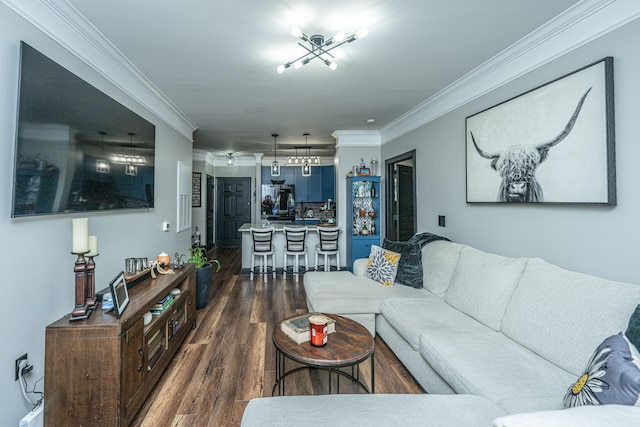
column 93, row 246
column 80, row 231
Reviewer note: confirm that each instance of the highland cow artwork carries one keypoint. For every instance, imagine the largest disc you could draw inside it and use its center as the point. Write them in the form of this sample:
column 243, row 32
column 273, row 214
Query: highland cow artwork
column 553, row 144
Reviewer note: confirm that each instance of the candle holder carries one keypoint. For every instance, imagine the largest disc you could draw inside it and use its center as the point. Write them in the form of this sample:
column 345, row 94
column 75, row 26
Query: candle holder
column 91, row 299
column 81, row 310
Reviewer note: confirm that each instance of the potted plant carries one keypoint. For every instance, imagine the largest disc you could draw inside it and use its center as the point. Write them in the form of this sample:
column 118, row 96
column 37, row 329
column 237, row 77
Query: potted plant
column 204, row 267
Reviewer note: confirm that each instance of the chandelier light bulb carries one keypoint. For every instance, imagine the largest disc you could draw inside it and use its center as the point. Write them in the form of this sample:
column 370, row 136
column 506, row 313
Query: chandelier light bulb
column 298, row 64
column 340, row 35
column 281, row 69
column 296, row 32
column 332, row 66
column 362, row 33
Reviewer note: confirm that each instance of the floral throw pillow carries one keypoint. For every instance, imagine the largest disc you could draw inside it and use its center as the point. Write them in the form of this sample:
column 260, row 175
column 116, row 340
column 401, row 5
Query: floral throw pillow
column 383, row 265
column 612, row 376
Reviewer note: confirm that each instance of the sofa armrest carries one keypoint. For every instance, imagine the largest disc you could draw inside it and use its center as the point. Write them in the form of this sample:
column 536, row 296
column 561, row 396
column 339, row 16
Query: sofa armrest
column 360, row 266
column 605, row 415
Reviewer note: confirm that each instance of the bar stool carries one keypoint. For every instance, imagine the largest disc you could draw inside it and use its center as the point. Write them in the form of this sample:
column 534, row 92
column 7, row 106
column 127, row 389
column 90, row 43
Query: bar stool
column 263, row 249
column 296, row 247
column 328, row 246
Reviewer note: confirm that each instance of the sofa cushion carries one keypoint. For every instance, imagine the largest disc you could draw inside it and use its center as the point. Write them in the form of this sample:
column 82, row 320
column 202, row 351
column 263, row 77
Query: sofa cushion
column 633, row 328
column 341, row 292
column 383, row 265
column 410, row 317
column 612, row 376
column 584, row 416
column 482, row 285
column 563, row 316
column 370, row 410
column 491, row 365
column 439, row 260
column 410, row 264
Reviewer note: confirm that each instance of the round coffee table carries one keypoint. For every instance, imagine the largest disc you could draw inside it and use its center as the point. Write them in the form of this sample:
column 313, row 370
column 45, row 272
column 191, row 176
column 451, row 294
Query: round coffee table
column 348, row 346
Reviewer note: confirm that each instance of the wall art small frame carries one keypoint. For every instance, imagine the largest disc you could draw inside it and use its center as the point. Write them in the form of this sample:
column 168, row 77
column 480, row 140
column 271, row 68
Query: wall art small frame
column 196, row 179
column 554, row 144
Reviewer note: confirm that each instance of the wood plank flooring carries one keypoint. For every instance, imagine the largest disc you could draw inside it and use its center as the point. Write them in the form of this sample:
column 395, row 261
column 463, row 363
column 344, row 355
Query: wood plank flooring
column 229, row 357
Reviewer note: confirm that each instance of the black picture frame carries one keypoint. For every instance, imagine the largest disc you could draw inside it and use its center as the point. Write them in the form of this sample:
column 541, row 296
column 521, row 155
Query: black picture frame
column 196, row 199
column 554, row 144
column 120, row 293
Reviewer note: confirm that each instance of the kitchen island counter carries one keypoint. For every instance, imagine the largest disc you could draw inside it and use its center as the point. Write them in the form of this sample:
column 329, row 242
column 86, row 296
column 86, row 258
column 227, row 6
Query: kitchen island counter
column 278, row 243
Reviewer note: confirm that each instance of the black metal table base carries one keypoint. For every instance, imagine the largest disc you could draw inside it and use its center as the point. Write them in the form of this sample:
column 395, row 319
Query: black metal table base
column 354, row 376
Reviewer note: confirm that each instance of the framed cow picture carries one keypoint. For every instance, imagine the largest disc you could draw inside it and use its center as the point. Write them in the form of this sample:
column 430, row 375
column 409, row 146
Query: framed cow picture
column 554, row 144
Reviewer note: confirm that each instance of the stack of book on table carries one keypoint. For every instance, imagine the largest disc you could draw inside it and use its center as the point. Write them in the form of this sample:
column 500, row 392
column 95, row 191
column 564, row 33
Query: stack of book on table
column 297, row 328
column 162, row 305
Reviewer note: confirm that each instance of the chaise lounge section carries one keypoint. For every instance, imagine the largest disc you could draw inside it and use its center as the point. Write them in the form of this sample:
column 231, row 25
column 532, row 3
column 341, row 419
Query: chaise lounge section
column 500, row 335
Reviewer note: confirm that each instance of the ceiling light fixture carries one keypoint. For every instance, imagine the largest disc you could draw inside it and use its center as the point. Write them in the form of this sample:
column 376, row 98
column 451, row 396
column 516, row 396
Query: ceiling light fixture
column 317, row 46
column 275, row 166
column 230, row 159
column 306, row 158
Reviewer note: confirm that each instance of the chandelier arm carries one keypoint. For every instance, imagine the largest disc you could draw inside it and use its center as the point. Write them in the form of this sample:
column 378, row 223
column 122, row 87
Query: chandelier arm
column 312, row 52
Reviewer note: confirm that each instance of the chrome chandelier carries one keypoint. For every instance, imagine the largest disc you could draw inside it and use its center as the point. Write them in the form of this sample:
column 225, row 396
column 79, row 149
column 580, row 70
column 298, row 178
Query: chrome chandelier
column 317, row 46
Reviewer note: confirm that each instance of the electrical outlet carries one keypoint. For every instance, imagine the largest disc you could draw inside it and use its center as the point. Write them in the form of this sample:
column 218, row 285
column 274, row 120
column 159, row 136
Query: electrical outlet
column 23, row 357
column 441, row 222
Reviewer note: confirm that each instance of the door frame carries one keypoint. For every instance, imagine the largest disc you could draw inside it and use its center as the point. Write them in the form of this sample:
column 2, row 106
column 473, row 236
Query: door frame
column 389, row 165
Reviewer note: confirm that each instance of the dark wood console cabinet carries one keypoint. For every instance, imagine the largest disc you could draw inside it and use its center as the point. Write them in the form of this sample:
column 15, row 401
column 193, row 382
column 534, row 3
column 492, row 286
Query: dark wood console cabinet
column 98, row 372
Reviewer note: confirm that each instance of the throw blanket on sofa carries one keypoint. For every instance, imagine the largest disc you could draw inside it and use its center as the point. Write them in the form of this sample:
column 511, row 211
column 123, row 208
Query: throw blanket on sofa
column 424, row 239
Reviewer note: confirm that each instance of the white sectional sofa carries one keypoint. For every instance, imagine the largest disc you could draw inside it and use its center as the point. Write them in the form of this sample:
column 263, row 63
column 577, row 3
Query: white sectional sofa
column 511, row 334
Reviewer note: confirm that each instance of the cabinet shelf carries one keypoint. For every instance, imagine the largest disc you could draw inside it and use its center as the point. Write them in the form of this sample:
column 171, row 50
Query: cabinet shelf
column 363, row 208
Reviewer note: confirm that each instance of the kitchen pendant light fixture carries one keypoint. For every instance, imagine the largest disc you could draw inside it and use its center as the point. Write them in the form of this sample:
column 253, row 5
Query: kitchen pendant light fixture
column 317, row 46
column 306, row 167
column 102, row 164
column 306, row 158
column 230, row 159
column 275, row 166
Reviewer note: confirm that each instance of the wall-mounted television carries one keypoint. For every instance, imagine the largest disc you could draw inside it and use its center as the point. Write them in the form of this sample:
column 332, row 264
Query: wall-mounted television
column 77, row 149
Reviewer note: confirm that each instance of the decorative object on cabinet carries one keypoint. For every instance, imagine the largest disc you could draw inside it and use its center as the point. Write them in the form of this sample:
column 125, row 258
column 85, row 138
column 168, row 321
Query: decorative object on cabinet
column 317, row 46
column 363, row 207
column 79, row 248
column 119, row 293
column 568, row 124
column 102, row 370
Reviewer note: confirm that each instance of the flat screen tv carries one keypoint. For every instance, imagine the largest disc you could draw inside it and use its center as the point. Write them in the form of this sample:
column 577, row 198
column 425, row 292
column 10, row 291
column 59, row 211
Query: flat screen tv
column 77, row 149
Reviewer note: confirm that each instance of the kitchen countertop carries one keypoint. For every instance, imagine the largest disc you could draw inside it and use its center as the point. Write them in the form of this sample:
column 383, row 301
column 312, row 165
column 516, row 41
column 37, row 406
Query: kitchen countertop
column 277, row 226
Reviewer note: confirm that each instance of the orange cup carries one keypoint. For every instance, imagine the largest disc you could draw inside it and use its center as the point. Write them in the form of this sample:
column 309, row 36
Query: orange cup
column 318, row 330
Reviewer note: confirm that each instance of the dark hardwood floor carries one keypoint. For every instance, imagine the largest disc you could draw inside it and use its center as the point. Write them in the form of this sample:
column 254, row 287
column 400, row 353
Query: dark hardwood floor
column 229, row 357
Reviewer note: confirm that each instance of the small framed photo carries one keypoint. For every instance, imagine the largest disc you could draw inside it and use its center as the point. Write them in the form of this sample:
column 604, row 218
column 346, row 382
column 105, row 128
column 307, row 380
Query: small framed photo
column 365, row 172
column 119, row 293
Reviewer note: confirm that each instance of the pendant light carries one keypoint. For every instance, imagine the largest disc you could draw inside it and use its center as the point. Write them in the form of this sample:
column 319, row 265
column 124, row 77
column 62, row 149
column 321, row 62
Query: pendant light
column 102, row 164
column 131, row 169
column 306, row 167
column 275, row 166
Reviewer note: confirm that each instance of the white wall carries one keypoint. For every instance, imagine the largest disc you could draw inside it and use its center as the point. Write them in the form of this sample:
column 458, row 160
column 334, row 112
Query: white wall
column 37, row 281
column 594, row 240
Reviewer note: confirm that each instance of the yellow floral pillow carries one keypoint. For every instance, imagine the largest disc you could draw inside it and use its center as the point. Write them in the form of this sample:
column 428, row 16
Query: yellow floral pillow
column 383, row 265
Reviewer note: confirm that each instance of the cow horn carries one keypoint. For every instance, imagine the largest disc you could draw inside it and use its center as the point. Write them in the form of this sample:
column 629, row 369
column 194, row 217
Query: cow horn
column 543, row 148
column 483, row 153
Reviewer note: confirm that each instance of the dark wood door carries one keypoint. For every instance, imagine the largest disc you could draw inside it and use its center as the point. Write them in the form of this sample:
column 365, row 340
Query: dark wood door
column 233, row 210
column 406, row 203
column 210, row 198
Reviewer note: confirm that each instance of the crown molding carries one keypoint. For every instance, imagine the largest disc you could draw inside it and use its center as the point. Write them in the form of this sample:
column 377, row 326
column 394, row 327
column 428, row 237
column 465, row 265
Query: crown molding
column 577, row 26
column 357, row 138
column 64, row 24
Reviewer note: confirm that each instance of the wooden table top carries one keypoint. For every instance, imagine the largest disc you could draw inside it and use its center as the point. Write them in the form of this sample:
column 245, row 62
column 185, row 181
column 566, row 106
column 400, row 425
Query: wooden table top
column 350, row 344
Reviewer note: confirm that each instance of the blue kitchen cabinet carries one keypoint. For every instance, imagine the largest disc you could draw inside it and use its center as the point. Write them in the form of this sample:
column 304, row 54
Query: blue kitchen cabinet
column 363, row 208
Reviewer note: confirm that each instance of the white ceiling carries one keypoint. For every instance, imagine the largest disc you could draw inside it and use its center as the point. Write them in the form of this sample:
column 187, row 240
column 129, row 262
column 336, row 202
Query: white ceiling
column 217, row 60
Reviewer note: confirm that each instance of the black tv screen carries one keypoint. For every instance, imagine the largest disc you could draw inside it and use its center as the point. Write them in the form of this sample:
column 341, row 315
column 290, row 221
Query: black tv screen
column 77, row 149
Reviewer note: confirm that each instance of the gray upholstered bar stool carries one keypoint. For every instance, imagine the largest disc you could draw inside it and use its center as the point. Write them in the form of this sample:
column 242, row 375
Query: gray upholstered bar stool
column 295, row 246
column 263, row 249
column 328, row 246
